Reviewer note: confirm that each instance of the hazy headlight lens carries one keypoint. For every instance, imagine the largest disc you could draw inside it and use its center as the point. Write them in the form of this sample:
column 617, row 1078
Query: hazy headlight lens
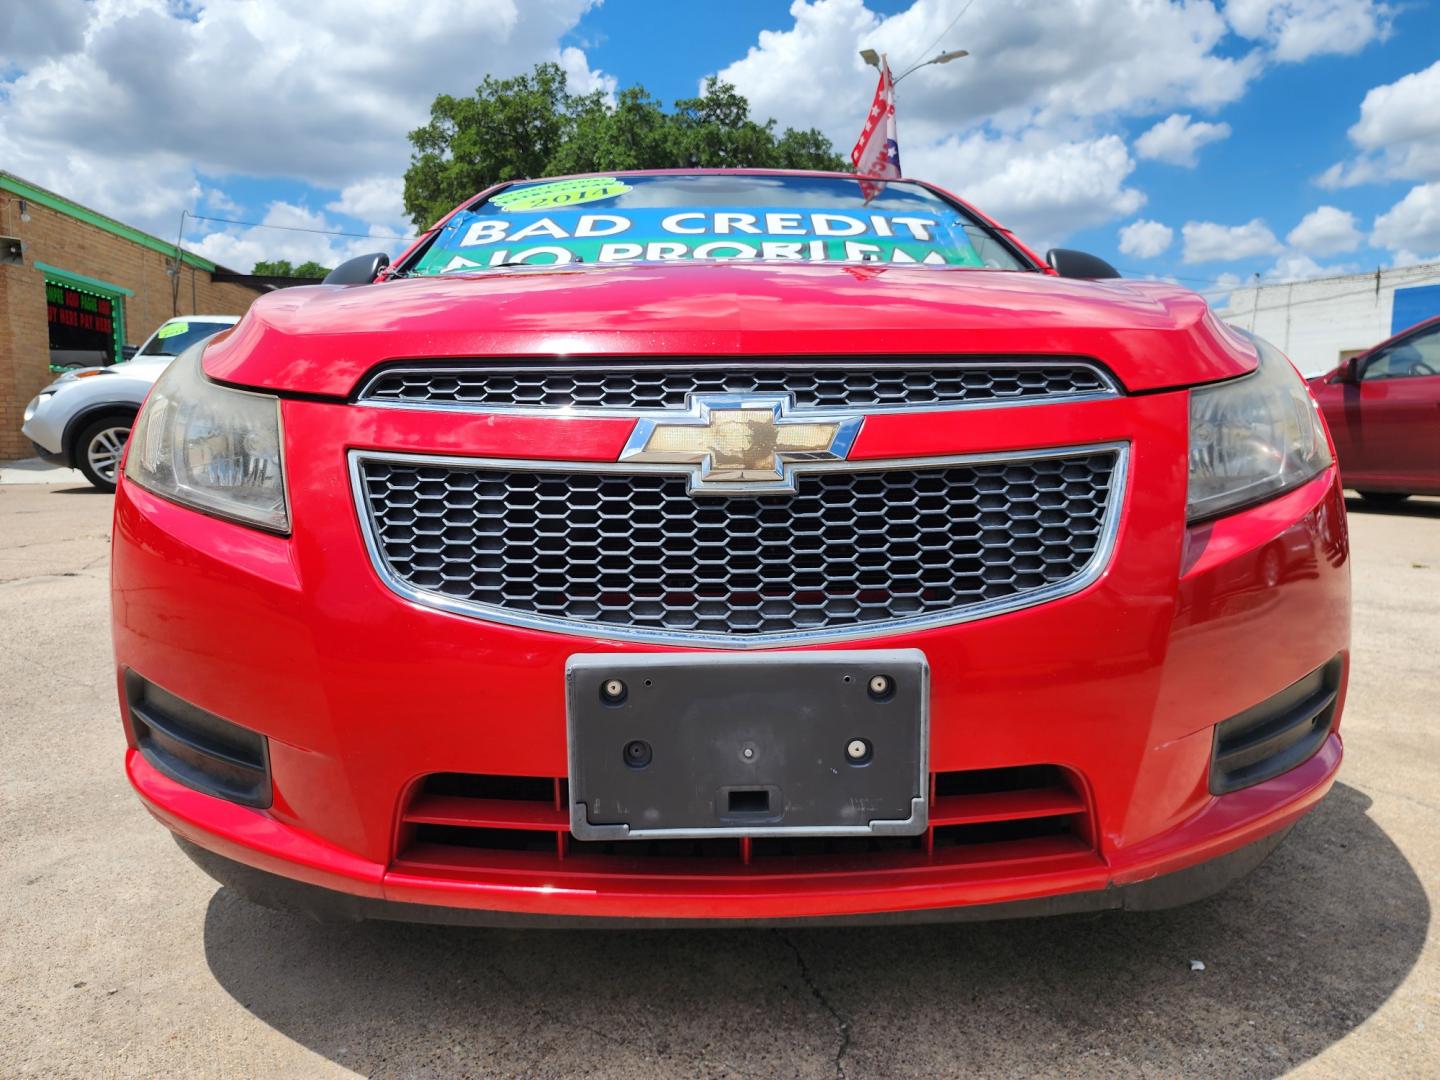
column 36, row 404
column 210, row 447
column 1253, row 438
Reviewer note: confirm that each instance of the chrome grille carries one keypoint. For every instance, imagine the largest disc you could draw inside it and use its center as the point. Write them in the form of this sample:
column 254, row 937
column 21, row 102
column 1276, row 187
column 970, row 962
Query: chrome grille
column 631, row 554
column 642, row 388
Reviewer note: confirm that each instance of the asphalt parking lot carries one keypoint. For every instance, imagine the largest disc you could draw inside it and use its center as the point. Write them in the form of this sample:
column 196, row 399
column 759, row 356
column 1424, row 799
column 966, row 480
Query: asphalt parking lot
column 118, row 957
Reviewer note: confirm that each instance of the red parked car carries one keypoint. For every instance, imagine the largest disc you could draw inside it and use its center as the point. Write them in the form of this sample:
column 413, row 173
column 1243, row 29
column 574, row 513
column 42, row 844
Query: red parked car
column 1383, row 408
column 750, row 546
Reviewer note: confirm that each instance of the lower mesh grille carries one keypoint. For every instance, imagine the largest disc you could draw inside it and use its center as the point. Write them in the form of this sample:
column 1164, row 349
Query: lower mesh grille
column 638, row 552
column 477, row 823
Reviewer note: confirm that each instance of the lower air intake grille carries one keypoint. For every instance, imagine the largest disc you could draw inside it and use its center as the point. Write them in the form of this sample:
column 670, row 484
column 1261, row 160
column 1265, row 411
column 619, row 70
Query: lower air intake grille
column 457, row 821
column 638, row 554
column 197, row 748
column 1276, row 735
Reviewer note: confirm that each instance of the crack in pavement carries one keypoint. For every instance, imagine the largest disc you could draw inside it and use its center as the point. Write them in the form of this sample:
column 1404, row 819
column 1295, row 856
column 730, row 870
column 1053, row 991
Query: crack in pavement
column 54, row 576
column 842, row 1026
column 69, row 540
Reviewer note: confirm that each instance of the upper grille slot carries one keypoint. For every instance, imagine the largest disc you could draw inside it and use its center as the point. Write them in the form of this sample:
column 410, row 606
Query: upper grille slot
column 607, row 552
column 647, row 388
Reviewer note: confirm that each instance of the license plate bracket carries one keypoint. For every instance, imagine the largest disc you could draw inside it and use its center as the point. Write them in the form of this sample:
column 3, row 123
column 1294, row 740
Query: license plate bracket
column 780, row 744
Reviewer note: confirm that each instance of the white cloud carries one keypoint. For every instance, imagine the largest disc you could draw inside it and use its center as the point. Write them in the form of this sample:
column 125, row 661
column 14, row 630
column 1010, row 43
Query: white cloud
column 1042, row 187
column 1033, row 62
column 1299, row 29
column 1326, row 230
column 377, row 199
column 1146, row 239
column 1206, row 241
column 1042, row 89
column 1176, row 139
column 324, row 93
column 290, row 232
column 1218, row 294
column 1295, row 266
column 1398, row 133
column 580, row 78
column 31, row 32
column 1411, row 224
column 216, row 201
column 1405, row 257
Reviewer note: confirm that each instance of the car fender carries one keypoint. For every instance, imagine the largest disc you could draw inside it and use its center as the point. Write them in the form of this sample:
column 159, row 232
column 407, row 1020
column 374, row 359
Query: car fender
column 118, row 396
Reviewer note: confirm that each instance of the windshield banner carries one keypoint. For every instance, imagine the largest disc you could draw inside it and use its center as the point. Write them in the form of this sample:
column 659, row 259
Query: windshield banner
column 488, row 237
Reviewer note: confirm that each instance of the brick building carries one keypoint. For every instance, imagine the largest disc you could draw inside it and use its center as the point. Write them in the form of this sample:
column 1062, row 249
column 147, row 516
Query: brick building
column 85, row 283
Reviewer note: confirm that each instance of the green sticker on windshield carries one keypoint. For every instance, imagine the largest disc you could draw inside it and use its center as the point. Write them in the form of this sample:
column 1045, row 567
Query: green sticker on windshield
column 171, row 329
column 561, row 193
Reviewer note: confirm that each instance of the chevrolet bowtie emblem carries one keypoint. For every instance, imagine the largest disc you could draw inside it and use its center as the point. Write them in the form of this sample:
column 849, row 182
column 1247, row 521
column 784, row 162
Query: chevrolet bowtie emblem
column 741, row 444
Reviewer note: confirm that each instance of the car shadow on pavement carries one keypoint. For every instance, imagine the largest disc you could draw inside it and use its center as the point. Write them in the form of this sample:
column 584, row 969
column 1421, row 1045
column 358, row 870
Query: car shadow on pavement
column 1411, row 507
column 1294, row 958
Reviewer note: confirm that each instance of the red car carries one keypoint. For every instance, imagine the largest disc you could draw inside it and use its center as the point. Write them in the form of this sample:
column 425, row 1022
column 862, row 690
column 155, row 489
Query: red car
column 1383, row 408
column 750, row 546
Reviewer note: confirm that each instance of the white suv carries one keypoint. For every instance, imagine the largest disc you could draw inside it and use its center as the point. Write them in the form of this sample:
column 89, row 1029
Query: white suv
column 83, row 418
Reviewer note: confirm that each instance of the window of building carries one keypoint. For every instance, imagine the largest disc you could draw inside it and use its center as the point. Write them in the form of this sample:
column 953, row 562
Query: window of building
column 86, row 319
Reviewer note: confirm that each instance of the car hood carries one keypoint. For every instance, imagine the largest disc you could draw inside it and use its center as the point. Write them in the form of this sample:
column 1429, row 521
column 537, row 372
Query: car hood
column 324, row 339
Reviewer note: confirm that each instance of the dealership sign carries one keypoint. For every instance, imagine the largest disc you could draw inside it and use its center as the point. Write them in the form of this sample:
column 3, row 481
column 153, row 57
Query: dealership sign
column 551, row 232
column 70, row 307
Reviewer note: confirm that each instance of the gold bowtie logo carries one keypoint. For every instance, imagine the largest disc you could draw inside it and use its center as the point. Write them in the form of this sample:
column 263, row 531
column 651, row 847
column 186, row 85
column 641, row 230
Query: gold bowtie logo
column 741, row 444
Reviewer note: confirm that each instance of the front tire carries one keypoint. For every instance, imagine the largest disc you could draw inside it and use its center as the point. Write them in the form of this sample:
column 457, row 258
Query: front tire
column 1385, row 498
column 99, row 448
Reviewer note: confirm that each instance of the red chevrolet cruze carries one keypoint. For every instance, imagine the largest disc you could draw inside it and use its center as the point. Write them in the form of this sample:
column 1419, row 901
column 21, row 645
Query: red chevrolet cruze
column 699, row 546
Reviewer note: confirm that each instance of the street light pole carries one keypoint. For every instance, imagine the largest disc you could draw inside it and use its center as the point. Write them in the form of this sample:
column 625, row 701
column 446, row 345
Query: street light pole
column 871, row 57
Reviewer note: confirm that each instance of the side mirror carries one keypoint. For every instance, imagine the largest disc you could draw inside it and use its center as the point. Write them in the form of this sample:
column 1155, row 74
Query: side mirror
column 1069, row 263
column 1349, row 371
column 127, row 352
column 361, row 270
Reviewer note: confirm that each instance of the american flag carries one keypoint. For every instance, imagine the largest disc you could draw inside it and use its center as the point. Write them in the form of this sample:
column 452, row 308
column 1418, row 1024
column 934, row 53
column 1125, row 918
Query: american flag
column 877, row 153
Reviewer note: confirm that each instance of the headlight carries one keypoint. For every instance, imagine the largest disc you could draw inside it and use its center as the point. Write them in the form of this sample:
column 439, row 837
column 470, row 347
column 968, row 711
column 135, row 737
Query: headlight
column 36, row 404
column 210, row 447
column 1253, row 438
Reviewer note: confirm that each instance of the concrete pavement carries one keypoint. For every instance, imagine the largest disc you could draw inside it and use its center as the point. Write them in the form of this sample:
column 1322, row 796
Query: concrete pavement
column 119, row 958
column 38, row 471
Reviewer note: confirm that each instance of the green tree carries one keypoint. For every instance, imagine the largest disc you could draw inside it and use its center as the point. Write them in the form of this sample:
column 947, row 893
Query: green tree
column 531, row 126
column 714, row 130
column 282, row 268
column 806, row 150
column 632, row 135
column 508, row 129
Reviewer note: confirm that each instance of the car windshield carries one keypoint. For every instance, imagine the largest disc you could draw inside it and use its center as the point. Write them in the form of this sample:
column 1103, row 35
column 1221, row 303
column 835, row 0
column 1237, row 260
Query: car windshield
column 178, row 335
column 729, row 217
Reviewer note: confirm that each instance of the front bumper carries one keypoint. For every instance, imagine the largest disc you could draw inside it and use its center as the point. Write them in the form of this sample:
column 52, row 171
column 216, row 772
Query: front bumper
column 327, row 906
column 43, row 427
column 362, row 694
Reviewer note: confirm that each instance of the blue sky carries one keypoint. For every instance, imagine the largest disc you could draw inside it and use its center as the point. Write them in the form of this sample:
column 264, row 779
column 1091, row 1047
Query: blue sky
column 1208, row 142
